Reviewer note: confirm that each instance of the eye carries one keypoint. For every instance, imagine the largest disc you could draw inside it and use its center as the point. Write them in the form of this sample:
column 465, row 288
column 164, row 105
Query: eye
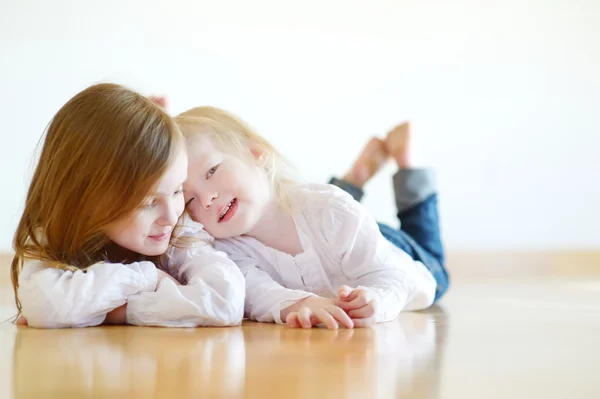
column 150, row 205
column 211, row 171
column 189, row 201
column 179, row 191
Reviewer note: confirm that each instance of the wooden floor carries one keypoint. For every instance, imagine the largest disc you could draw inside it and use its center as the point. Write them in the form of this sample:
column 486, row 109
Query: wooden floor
column 532, row 336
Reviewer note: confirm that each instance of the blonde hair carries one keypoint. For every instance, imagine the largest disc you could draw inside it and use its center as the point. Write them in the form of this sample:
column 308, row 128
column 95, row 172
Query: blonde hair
column 231, row 133
column 103, row 154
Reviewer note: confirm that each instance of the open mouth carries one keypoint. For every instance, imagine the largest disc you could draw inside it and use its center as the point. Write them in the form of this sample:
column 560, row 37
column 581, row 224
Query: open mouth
column 228, row 212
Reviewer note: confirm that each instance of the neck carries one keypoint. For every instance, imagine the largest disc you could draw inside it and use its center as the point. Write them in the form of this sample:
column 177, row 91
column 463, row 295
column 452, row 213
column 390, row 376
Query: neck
column 118, row 254
column 276, row 224
column 276, row 229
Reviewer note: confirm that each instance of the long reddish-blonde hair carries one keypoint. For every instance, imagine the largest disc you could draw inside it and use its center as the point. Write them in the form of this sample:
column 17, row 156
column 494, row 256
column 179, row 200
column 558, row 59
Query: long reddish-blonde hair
column 103, row 154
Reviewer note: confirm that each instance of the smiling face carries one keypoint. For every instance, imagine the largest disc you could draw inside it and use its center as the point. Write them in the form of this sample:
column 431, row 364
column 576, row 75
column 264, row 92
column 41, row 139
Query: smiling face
column 226, row 191
column 147, row 231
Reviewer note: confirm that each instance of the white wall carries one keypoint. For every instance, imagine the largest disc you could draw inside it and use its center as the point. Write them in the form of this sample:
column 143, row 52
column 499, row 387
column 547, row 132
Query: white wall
column 502, row 94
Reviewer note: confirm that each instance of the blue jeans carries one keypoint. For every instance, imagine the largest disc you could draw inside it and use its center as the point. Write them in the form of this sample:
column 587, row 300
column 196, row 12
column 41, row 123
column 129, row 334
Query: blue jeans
column 419, row 233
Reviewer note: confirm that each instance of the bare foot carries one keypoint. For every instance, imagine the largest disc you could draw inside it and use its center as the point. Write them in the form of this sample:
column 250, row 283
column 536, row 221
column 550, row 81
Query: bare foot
column 369, row 162
column 397, row 144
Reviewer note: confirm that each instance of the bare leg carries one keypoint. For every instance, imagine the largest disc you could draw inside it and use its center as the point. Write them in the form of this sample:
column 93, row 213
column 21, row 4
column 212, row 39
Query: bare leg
column 370, row 161
column 397, row 144
column 416, row 200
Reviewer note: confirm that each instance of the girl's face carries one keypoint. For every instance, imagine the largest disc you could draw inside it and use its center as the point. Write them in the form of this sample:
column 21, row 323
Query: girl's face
column 147, row 231
column 226, row 192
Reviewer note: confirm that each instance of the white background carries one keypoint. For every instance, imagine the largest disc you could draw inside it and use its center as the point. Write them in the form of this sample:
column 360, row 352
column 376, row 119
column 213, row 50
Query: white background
column 503, row 95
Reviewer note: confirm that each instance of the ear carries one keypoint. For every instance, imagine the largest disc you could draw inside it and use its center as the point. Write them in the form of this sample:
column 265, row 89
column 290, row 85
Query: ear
column 258, row 153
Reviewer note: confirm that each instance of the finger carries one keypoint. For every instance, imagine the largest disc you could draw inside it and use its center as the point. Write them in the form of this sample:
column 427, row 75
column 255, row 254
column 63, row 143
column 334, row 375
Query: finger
column 352, row 296
column 344, row 291
column 340, row 316
column 292, row 320
column 21, row 321
column 356, row 303
column 340, row 303
column 324, row 317
column 366, row 311
column 362, row 323
column 343, row 305
column 304, row 317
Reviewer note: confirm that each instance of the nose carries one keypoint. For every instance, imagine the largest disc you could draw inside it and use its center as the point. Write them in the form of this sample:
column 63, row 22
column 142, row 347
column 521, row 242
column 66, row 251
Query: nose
column 170, row 214
column 207, row 199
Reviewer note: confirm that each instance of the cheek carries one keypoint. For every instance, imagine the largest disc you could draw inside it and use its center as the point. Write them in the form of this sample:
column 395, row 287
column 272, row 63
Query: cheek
column 196, row 211
column 142, row 223
column 261, row 186
column 180, row 206
column 125, row 231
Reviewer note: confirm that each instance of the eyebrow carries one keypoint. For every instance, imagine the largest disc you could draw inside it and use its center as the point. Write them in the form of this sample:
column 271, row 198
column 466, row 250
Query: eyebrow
column 159, row 194
column 206, row 163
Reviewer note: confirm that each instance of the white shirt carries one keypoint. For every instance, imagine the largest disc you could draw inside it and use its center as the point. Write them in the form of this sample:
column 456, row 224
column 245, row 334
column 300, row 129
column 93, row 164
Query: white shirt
column 342, row 245
column 213, row 294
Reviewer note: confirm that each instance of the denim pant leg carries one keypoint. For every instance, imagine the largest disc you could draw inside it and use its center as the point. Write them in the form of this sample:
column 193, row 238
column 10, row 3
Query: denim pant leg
column 419, row 233
column 419, row 237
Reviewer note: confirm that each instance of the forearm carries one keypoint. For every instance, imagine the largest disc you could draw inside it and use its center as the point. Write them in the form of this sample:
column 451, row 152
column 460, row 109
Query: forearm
column 53, row 298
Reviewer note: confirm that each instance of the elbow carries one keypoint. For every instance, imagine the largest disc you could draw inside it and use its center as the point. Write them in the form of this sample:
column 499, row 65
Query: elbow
column 43, row 313
column 234, row 308
column 236, row 316
column 39, row 312
column 44, row 316
column 228, row 315
column 36, row 320
column 237, row 299
column 227, row 306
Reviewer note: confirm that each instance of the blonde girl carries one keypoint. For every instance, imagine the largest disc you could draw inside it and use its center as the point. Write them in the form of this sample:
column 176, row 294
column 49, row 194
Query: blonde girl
column 311, row 253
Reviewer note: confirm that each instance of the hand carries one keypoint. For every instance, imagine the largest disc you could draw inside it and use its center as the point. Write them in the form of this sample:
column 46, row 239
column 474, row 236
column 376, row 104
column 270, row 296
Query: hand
column 117, row 316
column 311, row 311
column 164, row 275
column 359, row 303
column 22, row 321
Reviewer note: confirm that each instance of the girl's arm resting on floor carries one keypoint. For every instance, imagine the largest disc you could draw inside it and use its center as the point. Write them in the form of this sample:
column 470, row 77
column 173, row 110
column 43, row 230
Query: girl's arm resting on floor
column 212, row 295
column 371, row 262
column 56, row 298
column 266, row 299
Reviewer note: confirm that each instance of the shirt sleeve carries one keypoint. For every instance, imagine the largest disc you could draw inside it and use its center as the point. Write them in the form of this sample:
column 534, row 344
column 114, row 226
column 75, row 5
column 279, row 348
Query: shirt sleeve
column 56, row 298
column 371, row 262
column 212, row 295
column 265, row 297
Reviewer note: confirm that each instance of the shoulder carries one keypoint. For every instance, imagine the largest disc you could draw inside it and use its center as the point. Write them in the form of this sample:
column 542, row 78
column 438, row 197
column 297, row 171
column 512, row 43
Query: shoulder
column 326, row 203
column 325, row 197
column 189, row 242
column 239, row 247
column 189, row 228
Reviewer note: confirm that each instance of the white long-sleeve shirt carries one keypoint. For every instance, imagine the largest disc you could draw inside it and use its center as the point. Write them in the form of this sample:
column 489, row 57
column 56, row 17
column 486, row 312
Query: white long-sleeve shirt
column 213, row 294
column 342, row 245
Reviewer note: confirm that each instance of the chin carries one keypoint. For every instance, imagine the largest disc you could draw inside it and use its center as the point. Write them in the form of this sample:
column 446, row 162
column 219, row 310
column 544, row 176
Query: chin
column 220, row 236
column 157, row 251
column 224, row 234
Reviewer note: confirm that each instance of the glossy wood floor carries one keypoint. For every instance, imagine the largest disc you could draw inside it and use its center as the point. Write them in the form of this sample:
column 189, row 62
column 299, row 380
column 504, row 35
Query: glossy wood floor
column 517, row 337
